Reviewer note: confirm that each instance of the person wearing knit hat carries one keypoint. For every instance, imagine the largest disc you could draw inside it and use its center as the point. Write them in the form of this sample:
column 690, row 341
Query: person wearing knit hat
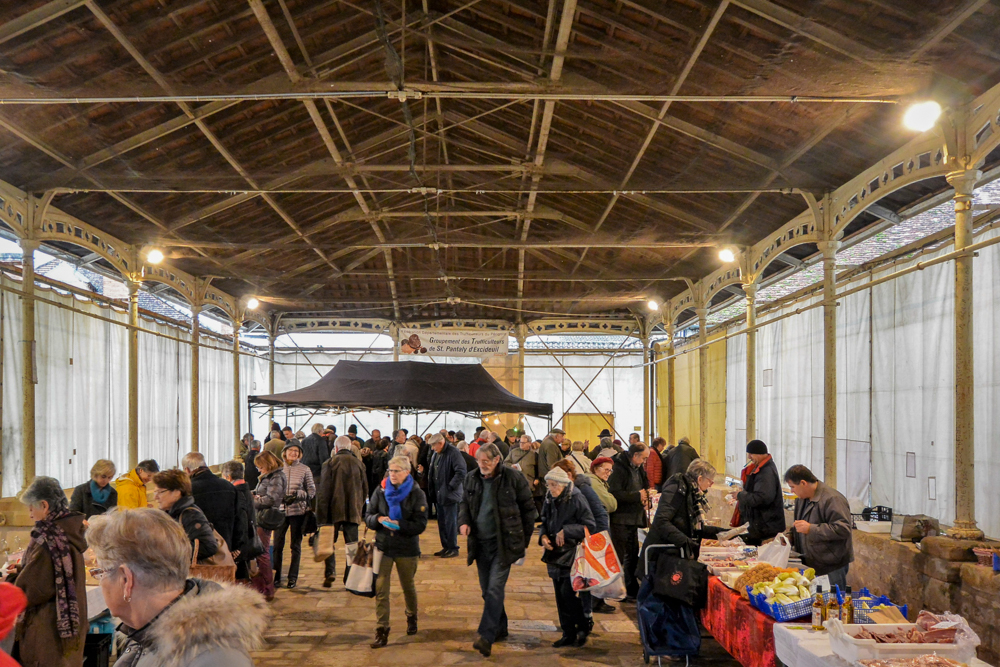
column 760, row 503
column 565, row 515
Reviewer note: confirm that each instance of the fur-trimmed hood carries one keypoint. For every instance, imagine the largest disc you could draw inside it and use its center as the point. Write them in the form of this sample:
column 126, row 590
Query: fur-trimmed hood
column 213, row 625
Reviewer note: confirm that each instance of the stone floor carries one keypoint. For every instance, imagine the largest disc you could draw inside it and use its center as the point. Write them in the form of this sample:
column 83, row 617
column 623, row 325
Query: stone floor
column 316, row 626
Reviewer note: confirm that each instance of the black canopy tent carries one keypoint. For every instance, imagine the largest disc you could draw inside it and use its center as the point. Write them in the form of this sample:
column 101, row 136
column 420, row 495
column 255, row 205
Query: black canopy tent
column 406, row 386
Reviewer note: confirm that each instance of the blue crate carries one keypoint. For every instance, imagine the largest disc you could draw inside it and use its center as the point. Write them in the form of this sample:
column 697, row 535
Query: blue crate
column 996, row 562
column 803, row 608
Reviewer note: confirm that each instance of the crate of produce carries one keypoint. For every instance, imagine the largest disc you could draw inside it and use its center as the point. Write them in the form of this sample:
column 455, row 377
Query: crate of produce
column 858, row 642
column 864, row 607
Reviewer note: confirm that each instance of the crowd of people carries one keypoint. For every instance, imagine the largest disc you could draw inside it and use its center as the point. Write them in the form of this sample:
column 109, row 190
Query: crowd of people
column 490, row 490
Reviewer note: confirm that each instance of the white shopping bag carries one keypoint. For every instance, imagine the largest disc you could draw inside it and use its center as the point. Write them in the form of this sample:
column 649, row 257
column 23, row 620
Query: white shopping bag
column 775, row 553
column 596, row 564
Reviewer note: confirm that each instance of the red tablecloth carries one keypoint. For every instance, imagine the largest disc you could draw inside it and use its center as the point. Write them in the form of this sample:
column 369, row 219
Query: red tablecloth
column 747, row 634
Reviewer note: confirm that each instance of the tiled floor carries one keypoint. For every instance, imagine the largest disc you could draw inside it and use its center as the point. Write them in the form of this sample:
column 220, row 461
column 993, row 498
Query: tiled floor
column 317, row 626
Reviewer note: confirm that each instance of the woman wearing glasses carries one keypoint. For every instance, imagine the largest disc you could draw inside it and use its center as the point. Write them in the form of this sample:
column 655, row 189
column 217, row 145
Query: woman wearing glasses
column 172, row 494
column 143, row 561
column 397, row 512
column 53, row 625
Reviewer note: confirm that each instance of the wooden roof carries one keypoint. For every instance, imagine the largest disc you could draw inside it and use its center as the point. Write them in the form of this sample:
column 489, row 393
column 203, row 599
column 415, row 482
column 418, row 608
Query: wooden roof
column 477, row 189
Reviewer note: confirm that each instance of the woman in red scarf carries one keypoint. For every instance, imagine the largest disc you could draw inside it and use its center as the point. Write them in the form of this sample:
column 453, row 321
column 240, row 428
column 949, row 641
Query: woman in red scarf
column 760, row 503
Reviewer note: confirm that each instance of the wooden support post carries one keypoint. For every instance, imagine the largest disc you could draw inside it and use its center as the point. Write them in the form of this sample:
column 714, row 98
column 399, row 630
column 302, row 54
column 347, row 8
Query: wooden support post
column 702, row 381
column 751, row 418
column 133, row 374
column 965, row 527
column 29, row 372
column 829, row 250
column 237, row 435
column 195, row 376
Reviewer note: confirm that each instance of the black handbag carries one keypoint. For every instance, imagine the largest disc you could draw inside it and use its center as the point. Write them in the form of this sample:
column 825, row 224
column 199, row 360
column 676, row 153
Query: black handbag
column 270, row 518
column 309, row 523
column 681, row 579
column 561, row 556
column 256, row 548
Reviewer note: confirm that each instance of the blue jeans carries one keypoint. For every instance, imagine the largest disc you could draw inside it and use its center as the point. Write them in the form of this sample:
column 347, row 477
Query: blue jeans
column 493, row 582
column 448, row 525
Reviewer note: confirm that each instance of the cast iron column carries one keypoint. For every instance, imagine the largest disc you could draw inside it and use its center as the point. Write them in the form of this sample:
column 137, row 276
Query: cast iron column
column 28, row 370
column 829, row 250
column 671, row 413
column 965, row 527
column 133, row 374
column 751, row 292
column 237, row 436
column 195, row 379
column 703, row 383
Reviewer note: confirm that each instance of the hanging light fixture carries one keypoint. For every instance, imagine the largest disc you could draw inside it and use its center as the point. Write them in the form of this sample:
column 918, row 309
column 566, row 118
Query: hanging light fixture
column 653, row 305
column 252, row 303
column 154, row 256
column 727, row 255
column 921, row 116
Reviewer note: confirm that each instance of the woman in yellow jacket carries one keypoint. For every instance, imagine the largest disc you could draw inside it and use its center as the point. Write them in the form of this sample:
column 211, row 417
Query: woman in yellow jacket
column 132, row 487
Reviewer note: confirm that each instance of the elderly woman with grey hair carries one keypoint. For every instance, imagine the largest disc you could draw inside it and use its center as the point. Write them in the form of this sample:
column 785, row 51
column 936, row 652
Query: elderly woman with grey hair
column 54, row 624
column 680, row 514
column 143, row 561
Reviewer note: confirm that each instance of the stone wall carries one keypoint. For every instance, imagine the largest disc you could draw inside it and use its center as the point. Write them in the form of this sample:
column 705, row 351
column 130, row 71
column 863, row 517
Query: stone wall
column 938, row 575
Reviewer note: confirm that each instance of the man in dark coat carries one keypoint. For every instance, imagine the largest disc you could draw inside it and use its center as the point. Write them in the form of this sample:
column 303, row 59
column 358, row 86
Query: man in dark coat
column 245, row 526
column 213, row 495
column 447, row 474
column 315, row 451
column 629, row 486
column 250, row 472
column 760, row 502
column 550, row 451
column 822, row 530
column 340, row 499
column 679, row 458
column 497, row 514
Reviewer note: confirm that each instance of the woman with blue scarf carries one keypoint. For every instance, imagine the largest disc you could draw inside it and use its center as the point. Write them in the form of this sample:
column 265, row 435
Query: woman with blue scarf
column 95, row 496
column 397, row 512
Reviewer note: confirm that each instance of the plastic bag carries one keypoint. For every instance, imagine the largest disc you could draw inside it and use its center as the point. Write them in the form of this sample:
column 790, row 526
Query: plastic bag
column 730, row 534
column 596, row 563
column 775, row 553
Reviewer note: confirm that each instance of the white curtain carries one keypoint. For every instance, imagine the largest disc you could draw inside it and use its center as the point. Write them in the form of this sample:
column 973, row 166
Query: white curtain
column 986, row 333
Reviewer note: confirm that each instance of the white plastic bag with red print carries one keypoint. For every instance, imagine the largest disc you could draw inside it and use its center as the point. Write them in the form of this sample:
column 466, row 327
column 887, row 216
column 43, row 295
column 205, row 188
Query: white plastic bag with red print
column 596, row 568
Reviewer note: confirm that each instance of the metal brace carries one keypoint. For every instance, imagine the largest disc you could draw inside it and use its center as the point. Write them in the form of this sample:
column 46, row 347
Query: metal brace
column 404, row 95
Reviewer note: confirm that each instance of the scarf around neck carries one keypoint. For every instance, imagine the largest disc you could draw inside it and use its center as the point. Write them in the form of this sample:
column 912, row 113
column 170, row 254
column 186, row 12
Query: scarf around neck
column 54, row 538
column 697, row 503
column 99, row 495
column 395, row 495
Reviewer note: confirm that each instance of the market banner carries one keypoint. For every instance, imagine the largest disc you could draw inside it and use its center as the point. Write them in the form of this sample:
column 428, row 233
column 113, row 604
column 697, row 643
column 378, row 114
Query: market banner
column 453, row 343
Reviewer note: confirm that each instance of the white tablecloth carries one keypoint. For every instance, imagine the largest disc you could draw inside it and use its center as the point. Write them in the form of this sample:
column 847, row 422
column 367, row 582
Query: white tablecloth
column 798, row 645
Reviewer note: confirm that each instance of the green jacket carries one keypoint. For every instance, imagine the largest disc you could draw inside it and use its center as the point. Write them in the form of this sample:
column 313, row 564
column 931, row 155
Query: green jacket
column 601, row 488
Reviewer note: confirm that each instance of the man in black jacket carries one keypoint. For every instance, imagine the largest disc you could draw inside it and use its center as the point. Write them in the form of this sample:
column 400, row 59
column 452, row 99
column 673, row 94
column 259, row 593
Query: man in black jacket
column 250, row 472
column 214, row 496
column 629, row 486
column 760, row 502
column 497, row 514
column 679, row 458
column 245, row 527
column 315, row 451
column 447, row 474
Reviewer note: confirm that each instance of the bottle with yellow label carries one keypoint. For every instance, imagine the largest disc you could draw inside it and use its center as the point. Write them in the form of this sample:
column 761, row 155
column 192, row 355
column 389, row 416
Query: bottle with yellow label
column 833, row 607
column 819, row 610
column 847, row 612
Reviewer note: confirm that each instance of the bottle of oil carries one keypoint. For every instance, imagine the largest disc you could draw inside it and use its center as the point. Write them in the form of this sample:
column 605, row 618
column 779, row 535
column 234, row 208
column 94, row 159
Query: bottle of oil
column 819, row 609
column 847, row 612
column 833, row 609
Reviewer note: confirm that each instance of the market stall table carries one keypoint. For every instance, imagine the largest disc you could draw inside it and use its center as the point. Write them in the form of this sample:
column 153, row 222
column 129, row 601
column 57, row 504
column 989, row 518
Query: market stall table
column 798, row 645
column 743, row 631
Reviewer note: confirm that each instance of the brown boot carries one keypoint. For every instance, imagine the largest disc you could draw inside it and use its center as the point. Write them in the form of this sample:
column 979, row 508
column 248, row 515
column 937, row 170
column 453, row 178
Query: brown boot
column 381, row 638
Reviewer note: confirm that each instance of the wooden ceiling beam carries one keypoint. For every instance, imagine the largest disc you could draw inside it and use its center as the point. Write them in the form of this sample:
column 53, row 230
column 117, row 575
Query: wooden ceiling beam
column 36, row 17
